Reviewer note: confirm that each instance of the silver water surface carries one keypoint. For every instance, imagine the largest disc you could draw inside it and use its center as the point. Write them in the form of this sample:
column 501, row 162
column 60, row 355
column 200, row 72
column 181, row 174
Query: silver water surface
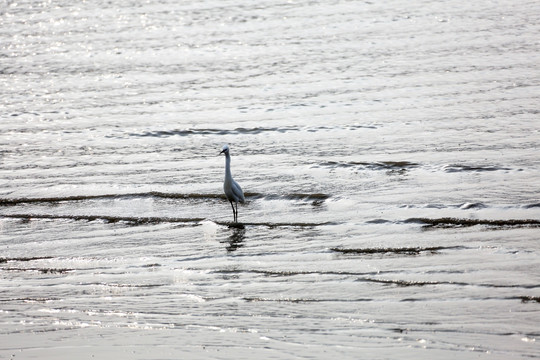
column 388, row 151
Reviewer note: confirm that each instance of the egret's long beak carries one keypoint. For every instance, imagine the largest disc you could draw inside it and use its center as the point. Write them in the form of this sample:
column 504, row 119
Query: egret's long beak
column 222, row 151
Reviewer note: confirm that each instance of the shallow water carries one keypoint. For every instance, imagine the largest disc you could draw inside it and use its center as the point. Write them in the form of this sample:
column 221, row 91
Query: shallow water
column 388, row 152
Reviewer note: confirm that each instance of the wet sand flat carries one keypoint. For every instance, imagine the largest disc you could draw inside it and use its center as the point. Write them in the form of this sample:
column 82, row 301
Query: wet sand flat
column 388, row 153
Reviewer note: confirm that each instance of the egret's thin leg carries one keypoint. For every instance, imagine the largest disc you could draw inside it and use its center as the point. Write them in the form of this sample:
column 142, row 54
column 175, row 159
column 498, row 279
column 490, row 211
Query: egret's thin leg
column 234, row 213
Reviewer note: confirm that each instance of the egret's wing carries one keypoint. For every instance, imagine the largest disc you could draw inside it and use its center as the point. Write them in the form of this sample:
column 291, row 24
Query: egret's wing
column 237, row 190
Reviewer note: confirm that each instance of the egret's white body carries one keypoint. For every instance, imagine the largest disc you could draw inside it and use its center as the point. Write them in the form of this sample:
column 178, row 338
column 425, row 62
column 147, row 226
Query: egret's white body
column 232, row 189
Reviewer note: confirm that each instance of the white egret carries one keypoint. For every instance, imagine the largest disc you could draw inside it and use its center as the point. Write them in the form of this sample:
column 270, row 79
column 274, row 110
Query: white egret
column 232, row 190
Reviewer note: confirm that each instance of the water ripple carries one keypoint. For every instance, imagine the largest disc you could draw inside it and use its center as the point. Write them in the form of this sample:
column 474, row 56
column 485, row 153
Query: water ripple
column 457, row 222
column 160, row 195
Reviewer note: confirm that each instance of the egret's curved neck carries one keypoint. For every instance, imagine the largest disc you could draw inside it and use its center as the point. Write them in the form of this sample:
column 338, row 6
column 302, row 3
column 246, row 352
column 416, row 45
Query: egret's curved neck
column 228, row 165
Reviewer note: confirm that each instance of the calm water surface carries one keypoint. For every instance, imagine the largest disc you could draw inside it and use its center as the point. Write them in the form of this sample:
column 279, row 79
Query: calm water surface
column 388, row 152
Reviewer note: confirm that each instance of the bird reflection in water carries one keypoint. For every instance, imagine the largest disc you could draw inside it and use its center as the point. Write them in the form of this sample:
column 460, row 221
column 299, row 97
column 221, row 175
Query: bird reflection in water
column 236, row 238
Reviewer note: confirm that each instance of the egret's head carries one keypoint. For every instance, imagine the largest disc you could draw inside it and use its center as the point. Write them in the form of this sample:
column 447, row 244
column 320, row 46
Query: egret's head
column 225, row 150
